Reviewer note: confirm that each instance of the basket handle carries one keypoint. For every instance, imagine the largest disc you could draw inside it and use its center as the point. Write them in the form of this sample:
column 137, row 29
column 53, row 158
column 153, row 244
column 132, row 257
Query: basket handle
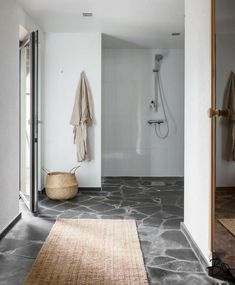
column 45, row 170
column 74, row 169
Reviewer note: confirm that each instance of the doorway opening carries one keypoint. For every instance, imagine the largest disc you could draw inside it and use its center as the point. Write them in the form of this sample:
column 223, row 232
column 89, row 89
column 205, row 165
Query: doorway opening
column 28, row 74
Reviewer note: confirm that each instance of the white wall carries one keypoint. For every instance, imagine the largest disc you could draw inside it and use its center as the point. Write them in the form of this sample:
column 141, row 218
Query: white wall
column 9, row 110
column 225, row 63
column 129, row 145
column 66, row 55
column 11, row 16
column 197, row 123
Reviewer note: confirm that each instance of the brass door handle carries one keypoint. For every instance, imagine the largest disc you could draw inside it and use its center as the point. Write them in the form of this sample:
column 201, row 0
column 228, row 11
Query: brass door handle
column 218, row 113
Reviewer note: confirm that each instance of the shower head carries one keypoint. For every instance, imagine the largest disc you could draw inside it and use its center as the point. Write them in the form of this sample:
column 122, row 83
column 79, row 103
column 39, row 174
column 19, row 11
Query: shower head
column 158, row 60
column 158, row 57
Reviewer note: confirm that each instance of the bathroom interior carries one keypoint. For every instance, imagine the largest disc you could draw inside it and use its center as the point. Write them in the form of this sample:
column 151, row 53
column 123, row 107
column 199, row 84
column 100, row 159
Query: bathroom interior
column 141, row 110
column 136, row 171
column 138, row 165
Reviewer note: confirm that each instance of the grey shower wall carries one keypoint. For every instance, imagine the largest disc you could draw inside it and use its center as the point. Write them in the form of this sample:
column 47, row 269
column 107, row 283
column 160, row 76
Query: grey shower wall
column 129, row 146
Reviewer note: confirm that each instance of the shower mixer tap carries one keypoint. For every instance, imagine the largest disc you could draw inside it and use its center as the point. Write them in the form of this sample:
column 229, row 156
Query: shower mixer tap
column 153, row 105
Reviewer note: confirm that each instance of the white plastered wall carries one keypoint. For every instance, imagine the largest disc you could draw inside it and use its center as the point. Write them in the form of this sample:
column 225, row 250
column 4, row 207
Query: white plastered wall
column 66, row 56
column 197, row 123
column 11, row 16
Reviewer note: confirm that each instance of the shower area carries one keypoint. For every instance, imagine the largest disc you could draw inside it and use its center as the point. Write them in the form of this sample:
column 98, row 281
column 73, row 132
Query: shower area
column 142, row 112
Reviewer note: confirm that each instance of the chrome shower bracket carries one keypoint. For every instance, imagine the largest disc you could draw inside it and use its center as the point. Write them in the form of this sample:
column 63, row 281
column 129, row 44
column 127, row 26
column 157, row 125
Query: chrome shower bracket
column 158, row 61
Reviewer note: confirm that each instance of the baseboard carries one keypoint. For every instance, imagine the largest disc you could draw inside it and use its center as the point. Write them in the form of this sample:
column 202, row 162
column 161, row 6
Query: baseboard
column 83, row 189
column 145, row 177
column 195, row 247
column 225, row 188
column 92, row 189
column 10, row 226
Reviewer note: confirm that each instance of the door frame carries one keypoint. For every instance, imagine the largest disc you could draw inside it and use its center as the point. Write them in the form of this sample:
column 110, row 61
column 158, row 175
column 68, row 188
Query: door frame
column 32, row 40
column 34, row 121
column 213, row 126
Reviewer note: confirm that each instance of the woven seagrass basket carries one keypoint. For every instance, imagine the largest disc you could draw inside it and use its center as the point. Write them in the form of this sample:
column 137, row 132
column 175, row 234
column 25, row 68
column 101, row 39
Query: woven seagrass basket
column 61, row 185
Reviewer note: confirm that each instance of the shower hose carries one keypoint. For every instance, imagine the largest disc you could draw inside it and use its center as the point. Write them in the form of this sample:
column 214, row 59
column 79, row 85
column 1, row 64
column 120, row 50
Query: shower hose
column 157, row 126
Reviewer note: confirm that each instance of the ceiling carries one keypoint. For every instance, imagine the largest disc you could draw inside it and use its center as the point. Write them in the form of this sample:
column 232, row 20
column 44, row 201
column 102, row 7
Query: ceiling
column 134, row 23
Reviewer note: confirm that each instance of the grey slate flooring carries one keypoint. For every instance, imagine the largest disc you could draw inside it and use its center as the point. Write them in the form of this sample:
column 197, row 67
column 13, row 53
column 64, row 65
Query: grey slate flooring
column 155, row 203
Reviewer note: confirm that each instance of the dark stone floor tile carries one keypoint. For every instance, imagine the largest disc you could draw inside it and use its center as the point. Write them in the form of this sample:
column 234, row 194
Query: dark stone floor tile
column 30, row 251
column 183, row 266
column 165, row 277
column 172, row 223
column 134, row 216
column 148, row 233
column 182, row 254
column 113, row 202
column 65, row 206
column 82, row 209
column 109, row 188
column 80, row 198
column 145, row 246
column 153, row 221
column 174, row 210
column 156, row 204
column 115, row 212
column 159, row 260
column 49, row 213
column 14, row 269
column 11, row 244
column 50, row 203
column 142, row 200
column 169, row 200
column 101, row 207
column 180, row 183
column 115, row 196
column 93, row 201
column 68, row 214
column 95, row 193
column 88, row 216
column 116, row 217
column 36, row 229
column 176, row 237
column 148, row 210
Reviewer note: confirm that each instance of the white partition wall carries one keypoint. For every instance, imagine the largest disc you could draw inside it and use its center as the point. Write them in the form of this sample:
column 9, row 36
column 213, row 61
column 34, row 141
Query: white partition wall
column 66, row 56
column 197, row 122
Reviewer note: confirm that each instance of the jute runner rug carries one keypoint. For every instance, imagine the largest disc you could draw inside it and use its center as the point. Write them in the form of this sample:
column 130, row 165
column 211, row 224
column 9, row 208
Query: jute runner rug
column 90, row 252
column 229, row 224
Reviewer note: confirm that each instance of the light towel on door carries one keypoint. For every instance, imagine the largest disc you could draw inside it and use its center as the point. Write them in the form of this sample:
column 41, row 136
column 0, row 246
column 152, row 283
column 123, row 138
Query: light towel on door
column 82, row 117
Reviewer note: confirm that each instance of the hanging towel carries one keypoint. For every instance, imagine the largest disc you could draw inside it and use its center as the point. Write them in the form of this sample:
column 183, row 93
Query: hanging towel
column 82, row 117
column 231, row 107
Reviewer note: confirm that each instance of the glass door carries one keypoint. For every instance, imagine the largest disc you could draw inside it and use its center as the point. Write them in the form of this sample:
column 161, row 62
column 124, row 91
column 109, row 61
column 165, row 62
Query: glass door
column 29, row 121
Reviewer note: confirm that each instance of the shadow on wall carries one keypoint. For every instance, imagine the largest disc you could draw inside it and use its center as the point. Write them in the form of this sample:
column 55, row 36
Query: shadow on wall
column 113, row 42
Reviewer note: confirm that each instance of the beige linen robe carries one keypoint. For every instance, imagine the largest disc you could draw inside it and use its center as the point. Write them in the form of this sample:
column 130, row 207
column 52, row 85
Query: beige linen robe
column 231, row 108
column 82, row 117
